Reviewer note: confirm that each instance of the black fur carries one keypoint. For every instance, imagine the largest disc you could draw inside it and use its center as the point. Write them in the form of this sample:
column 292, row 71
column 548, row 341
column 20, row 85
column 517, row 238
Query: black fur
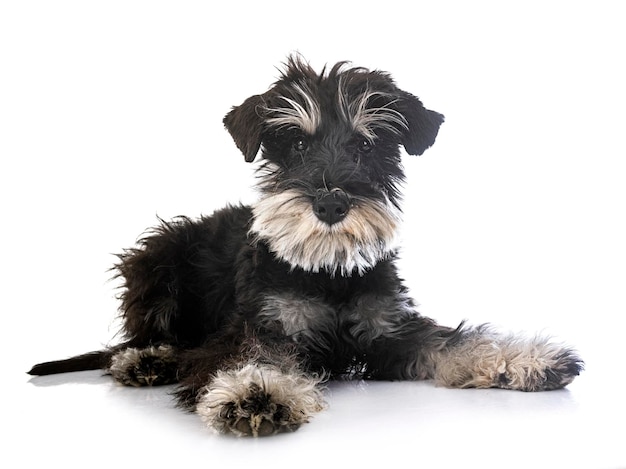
column 236, row 290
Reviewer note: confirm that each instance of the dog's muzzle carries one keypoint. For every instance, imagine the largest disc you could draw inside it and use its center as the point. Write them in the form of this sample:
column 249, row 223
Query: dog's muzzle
column 331, row 206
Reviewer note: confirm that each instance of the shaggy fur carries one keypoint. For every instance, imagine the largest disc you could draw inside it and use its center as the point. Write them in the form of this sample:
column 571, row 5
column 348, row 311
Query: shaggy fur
column 251, row 309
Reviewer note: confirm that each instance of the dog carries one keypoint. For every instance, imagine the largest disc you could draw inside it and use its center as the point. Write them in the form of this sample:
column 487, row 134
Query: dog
column 253, row 309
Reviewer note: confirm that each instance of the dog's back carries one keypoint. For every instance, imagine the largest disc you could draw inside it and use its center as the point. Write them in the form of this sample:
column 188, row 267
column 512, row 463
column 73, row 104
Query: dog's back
column 178, row 286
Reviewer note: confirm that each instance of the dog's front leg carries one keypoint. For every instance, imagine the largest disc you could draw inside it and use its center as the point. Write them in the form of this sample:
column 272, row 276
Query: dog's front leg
column 256, row 390
column 483, row 358
column 472, row 358
column 401, row 344
column 258, row 399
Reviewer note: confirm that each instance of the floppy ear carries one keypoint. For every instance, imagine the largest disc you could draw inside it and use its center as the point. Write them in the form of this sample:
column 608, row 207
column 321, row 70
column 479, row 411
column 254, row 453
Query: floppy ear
column 245, row 125
column 423, row 124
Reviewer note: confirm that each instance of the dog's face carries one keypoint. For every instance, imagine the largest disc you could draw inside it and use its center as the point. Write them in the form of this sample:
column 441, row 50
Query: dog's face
column 332, row 167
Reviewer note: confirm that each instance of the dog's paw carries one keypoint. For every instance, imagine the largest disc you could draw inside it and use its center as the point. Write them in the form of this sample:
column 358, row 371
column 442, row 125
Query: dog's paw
column 488, row 361
column 542, row 368
column 259, row 400
column 150, row 366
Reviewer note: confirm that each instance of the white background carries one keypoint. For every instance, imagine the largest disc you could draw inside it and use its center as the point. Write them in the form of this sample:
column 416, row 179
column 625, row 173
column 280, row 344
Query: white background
column 110, row 114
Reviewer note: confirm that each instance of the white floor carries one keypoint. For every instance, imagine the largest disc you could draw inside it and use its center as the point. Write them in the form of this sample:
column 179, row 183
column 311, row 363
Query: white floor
column 85, row 420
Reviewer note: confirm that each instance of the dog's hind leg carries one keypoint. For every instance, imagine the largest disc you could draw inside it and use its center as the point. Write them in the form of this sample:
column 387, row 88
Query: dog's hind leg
column 178, row 283
column 149, row 366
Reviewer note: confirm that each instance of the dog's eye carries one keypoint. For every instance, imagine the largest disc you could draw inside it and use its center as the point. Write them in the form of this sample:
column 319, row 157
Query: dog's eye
column 300, row 144
column 365, row 146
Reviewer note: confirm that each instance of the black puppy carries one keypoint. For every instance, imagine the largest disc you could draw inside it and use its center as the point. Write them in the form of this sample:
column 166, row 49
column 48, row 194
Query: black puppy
column 252, row 308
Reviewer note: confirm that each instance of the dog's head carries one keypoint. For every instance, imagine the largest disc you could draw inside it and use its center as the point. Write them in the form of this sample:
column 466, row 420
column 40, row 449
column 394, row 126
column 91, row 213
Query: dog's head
column 330, row 144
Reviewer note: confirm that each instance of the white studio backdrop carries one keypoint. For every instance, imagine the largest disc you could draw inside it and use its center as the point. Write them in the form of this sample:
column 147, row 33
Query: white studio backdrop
column 110, row 115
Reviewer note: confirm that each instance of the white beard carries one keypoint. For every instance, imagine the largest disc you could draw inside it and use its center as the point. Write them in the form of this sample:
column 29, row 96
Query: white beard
column 286, row 222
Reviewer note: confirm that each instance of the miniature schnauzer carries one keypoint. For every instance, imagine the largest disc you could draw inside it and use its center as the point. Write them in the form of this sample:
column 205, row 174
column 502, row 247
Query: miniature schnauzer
column 252, row 309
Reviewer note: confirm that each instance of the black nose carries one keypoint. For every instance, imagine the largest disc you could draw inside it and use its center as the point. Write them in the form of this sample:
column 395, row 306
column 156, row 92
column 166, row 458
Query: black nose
column 331, row 206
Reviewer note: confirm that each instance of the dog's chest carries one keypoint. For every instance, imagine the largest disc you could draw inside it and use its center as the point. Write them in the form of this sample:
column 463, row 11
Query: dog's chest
column 363, row 317
column 320, row 308
column 299, row 314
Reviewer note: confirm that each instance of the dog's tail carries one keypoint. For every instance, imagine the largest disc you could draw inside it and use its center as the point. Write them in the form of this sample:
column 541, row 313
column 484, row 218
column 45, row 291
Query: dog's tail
column 87, row 361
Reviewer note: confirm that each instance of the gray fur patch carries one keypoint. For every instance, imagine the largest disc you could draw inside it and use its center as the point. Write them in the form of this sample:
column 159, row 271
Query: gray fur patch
column 298, row 315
